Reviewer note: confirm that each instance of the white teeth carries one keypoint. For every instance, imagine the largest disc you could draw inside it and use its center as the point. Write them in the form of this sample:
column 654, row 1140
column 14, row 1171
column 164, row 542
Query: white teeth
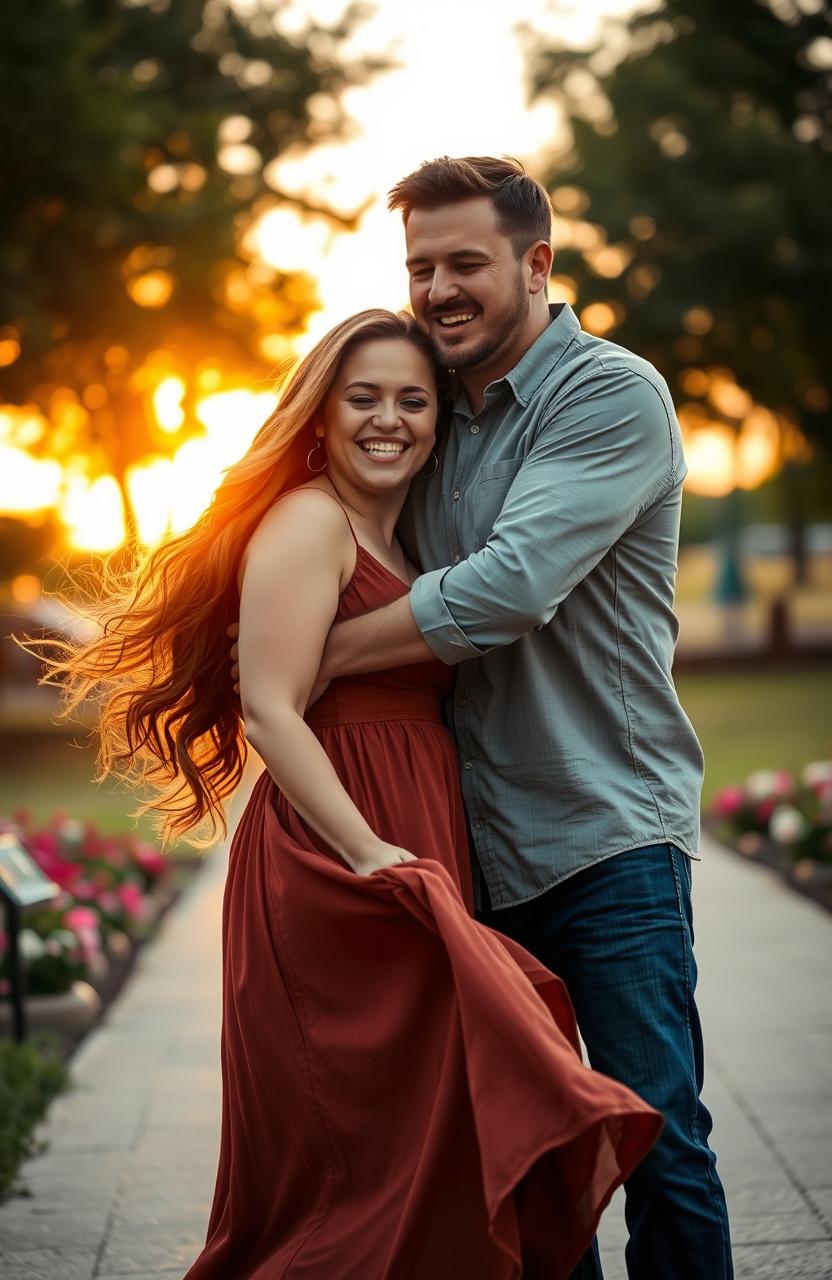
column 457, row 319
column 383, row 447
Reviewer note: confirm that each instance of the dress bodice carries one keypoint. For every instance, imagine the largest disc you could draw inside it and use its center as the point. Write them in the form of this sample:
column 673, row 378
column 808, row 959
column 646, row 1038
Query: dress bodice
column 415, row 692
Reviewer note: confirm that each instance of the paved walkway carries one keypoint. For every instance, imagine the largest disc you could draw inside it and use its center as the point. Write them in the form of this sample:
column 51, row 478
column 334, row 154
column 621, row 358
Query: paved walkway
column 125, row 1186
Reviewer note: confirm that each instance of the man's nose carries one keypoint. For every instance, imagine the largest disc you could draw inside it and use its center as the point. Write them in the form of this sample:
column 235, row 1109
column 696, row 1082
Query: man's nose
column 443, row 288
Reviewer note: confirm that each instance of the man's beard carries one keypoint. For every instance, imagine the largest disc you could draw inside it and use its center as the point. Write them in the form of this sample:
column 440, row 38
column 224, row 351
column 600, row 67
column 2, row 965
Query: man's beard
column 502, row 329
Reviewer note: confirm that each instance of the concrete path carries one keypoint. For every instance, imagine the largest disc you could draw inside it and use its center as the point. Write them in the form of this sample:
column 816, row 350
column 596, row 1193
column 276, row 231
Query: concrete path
column 125, row 1187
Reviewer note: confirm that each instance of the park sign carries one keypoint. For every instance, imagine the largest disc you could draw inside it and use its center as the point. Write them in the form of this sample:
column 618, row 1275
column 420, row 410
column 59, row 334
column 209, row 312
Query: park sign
column 22, row 884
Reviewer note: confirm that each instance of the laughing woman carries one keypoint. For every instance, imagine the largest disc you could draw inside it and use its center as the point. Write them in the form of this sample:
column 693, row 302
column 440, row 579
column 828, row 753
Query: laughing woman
column 403, row 1097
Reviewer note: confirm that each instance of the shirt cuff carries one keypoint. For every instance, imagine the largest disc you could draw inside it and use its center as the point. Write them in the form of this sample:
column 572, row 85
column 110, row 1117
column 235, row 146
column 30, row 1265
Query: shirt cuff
column 435, row 621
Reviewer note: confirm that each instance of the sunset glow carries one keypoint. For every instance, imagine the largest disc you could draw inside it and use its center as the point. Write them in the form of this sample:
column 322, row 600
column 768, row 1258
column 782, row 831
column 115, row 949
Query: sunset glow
column 201, row 418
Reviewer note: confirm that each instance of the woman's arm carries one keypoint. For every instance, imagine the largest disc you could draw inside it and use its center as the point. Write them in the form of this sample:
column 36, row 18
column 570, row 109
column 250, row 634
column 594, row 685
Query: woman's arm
column 294, row 569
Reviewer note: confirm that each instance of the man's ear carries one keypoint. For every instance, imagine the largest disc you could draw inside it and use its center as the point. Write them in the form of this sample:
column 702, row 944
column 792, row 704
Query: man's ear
column 539, row 260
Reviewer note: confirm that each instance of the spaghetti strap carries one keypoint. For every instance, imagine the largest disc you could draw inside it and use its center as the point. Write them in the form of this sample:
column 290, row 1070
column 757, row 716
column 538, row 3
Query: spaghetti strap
column 344, row 509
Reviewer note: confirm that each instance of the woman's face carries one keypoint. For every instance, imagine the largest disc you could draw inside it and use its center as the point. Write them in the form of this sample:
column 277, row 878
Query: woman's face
column 379, row 418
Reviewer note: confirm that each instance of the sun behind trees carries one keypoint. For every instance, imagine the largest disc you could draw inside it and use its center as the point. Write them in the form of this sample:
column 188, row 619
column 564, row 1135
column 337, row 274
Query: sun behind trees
column 140, row 141
column 694, row 213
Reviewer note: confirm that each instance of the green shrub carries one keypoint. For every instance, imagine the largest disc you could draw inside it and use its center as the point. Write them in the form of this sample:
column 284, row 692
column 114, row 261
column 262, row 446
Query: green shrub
column 31, row 1075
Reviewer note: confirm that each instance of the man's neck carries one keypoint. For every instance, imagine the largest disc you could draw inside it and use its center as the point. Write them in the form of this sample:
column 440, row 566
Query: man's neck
column 477, row 378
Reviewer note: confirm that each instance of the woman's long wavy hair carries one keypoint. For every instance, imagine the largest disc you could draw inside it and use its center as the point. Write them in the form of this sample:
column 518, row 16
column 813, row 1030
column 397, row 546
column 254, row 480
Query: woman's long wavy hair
column 169, row 721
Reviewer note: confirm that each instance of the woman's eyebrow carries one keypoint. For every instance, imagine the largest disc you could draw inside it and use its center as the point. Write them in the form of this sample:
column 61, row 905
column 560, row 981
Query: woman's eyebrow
column 373, row 386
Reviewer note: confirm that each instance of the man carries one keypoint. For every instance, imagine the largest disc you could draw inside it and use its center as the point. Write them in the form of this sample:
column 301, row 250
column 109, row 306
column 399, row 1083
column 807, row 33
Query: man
column 548, row 537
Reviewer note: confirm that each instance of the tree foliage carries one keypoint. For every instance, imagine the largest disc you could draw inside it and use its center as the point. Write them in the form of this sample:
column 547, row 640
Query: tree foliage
column 120, row 216
column 702, row 146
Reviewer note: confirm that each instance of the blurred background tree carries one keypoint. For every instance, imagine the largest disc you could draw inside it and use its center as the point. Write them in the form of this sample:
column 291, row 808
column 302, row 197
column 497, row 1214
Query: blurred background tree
column 140, row 138
column 695, row 199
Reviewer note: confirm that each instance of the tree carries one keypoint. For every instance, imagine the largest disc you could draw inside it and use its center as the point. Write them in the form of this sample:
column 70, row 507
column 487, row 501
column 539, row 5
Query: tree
column 698, row 182
column 138, row 138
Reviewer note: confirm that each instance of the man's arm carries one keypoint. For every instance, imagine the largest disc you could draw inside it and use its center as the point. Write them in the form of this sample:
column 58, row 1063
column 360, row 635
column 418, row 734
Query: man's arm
column 610, row 451
column 388, row 637
column 608, row 454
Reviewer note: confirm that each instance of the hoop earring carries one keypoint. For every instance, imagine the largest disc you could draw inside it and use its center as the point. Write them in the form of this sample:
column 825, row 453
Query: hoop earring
column 435, row 457
column 317, row 470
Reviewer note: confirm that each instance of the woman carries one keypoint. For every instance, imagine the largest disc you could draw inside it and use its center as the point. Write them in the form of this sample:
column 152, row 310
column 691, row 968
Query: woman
column 403, row 1097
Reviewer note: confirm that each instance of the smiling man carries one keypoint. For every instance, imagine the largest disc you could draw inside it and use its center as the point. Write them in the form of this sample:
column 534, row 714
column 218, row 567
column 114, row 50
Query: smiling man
column 548, row 538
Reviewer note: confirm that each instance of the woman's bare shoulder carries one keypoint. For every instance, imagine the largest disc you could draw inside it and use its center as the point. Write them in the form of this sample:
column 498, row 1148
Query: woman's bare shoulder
column 308, row 521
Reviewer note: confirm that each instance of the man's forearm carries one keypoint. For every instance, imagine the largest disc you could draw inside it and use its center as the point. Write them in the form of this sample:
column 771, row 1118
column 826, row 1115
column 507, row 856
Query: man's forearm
column 376, row 641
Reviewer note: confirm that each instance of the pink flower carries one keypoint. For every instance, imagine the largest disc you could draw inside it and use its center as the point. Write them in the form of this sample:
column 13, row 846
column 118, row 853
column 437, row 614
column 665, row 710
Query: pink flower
column 765, row 809
column 150, row 859
column 84, row 923
column 728, row 802
column 81, row 918
column 133, row 901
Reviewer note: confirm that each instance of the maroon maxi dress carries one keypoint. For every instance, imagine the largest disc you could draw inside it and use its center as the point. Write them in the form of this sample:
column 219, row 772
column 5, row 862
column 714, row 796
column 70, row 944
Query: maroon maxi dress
column 403, row 1094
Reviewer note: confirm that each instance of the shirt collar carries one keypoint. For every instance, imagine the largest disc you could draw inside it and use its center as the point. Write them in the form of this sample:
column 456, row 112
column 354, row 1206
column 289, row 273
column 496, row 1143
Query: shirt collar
column 534, row 364
column 542, row 355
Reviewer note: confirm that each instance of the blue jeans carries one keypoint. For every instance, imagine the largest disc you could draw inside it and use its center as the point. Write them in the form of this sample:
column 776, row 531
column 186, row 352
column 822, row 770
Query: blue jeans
column 620, row 935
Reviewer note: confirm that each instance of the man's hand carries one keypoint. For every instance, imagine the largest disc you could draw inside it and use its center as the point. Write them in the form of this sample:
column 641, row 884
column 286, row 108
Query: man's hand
column 233, row 632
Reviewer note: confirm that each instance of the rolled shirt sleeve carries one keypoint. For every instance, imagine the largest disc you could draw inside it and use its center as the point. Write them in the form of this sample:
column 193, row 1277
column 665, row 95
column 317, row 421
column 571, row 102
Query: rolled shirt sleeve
column 608, row 450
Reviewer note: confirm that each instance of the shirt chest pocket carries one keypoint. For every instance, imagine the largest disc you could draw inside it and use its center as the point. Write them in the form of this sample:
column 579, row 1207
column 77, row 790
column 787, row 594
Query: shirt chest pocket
column 488, row 494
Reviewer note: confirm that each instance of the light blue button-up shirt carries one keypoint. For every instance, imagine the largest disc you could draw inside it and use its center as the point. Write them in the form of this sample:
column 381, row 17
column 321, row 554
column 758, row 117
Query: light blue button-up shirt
column 549, row 538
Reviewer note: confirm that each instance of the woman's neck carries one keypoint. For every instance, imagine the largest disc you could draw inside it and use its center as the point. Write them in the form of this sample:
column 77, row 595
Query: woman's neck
column 380, row 511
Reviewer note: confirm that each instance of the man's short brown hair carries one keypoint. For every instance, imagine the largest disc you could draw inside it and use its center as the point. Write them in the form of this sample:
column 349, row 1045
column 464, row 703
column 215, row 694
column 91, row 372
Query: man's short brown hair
column 522, row 205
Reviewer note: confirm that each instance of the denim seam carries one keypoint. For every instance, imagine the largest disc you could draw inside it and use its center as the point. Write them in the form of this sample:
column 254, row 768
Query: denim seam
column 712, row 1181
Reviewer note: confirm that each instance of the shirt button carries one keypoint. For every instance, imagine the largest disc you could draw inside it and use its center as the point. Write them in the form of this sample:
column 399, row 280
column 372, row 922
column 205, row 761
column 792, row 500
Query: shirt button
column 474, row 429
column 469, row 764
column 456, row 557
column 478, row 826
column 456, row 495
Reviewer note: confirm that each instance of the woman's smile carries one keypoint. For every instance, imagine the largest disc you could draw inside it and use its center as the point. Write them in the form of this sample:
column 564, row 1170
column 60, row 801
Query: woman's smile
column 383, row 450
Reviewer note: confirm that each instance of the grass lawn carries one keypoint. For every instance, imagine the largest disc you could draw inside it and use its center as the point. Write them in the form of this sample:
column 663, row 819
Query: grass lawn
column 42, row 770
column 758, row 720
column 745, row 722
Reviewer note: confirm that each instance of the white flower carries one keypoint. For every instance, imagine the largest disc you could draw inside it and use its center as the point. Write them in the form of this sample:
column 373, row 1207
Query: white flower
column 787, row 825
column 816, row 773
column 71, row 830
column 762, row 784
column 31, row 946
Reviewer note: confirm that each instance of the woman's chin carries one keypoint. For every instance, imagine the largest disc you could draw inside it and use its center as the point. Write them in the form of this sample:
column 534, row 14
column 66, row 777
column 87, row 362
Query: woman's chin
column 379, row 477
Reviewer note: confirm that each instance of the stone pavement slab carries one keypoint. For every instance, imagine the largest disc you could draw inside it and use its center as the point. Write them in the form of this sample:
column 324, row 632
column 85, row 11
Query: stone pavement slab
column 124, row 1191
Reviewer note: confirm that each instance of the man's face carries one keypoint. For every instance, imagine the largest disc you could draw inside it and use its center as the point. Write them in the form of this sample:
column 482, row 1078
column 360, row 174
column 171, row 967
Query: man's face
column 467, row 289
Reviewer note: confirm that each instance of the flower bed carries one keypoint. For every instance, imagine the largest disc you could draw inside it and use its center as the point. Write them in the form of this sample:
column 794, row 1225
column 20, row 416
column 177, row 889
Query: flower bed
column 784, row 821
column 77, row 951
column 81, row 944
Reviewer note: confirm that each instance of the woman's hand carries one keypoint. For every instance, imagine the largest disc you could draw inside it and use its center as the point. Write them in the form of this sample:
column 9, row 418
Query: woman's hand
column 379, row 856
